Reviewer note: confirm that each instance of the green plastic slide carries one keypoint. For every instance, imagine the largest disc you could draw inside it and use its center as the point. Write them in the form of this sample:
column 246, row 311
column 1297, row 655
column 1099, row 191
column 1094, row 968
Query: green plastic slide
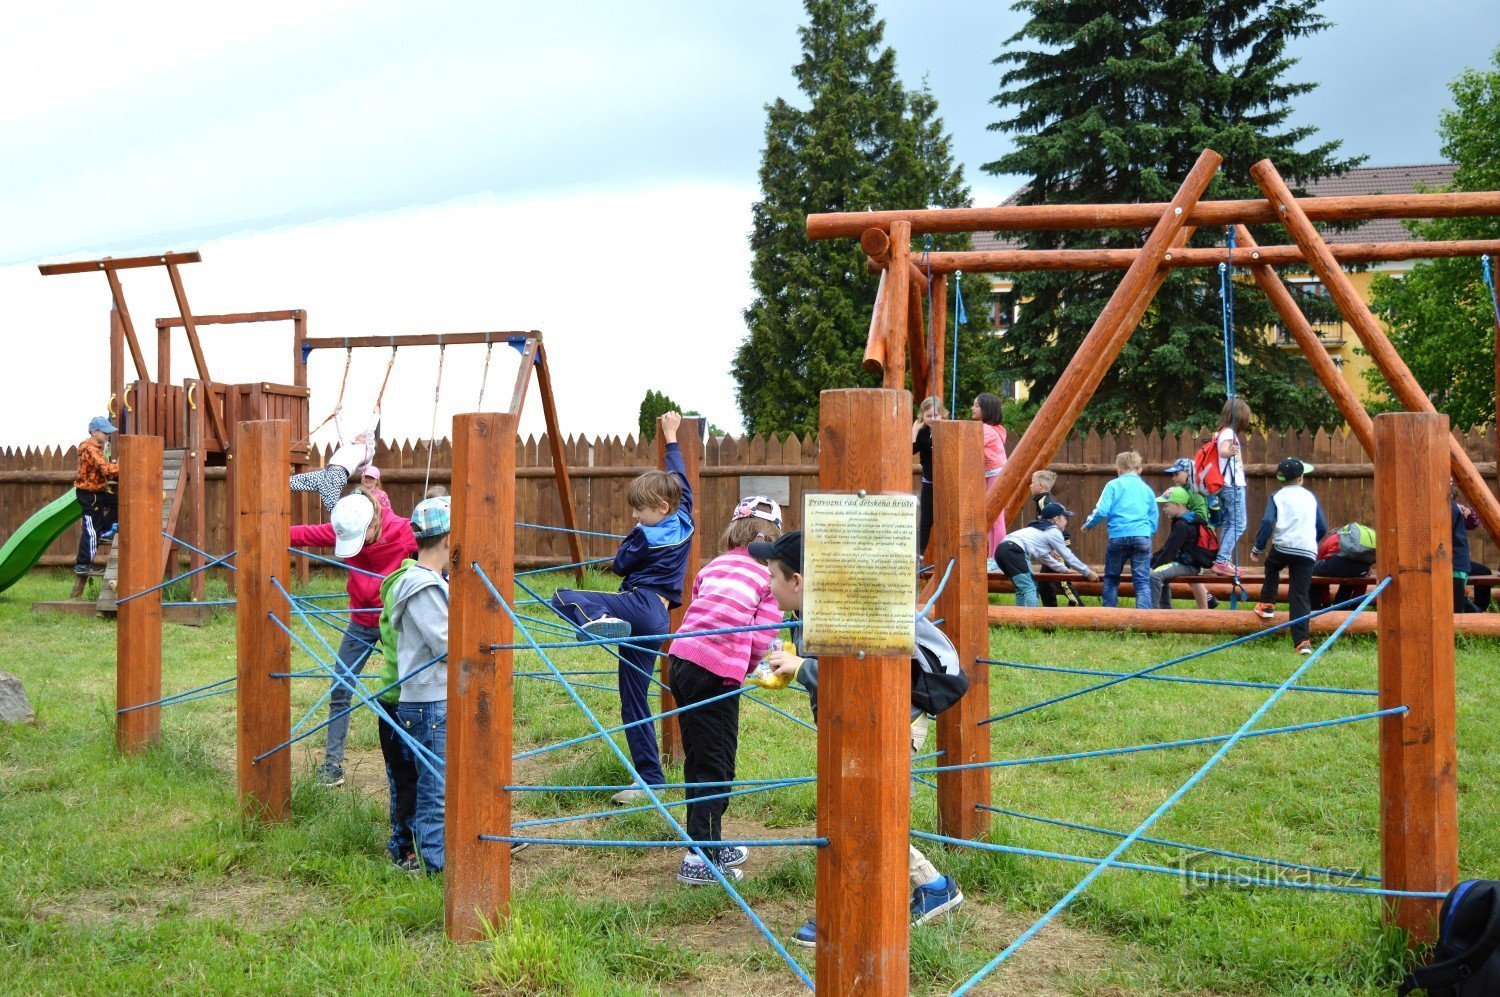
column 26, row 546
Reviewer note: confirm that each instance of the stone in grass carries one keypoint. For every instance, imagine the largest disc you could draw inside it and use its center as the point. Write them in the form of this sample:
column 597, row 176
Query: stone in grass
column 14, row 707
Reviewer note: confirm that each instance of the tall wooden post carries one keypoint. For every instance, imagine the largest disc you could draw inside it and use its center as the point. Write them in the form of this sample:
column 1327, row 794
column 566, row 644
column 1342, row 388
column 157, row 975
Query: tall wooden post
column 476, row 889
column 864, row 746
column 262, row 529
column 117, row 371
column 938, row 295
column 690, row 442
column 138, row 637
column 958, row 534
column 1418, row 749
column 897, row 304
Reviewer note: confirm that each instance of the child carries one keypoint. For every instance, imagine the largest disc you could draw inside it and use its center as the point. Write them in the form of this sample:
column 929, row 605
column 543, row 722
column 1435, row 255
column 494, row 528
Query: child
column 372, row 538
column 1181, row 473
column 371, row 484
column 1042, row 483
column 1462, row 562
column 1128, row 505
column 653, row 562
column 921, row 445
column 1233, row 421
column 1293, row 525
column 732, row 590
column 1040, row 540
column 101, row 508
column 987, row 409
column 436, row 491
column 1181, row 554
column 932, row 892
column 1334, row 563
column 419, row 616
column 343, row 467
column 400, row 766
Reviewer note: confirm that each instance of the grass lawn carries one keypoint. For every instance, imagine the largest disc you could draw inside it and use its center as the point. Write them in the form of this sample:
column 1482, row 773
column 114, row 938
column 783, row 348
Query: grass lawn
column 134, row 875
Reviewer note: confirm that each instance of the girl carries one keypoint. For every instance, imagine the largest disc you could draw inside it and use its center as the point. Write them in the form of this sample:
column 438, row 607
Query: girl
column 732, row 590
column 370, row 482
column 343, row 467
column 921, row 445
column 1233, row 422
column 987, row 409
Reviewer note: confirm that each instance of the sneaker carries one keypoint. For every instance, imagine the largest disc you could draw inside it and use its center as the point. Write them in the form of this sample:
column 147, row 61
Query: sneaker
column 519, row 846
column 1226, row 569
column 1265, row 610
column 607, row 628
column 626, row 797
column 807, row 935
column 1213, row 602
column 734, row 855
column 109, row 535
column 412, row 866
column 1304, row 647
column 695, row 872
column 927, row 902
column 331, row 778
column 82, row 569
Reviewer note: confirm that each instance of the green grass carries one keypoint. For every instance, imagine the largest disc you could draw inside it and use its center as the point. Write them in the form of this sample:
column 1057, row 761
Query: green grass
column 134, row 875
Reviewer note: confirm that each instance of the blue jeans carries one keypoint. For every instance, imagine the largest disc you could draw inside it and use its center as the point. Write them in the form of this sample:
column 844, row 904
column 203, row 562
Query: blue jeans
column 427, row 723
column 1232, row 502
column 1136, row 550
column 359, row 641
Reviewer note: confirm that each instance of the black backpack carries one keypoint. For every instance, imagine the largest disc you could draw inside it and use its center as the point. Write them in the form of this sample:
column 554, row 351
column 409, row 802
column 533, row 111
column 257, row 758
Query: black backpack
column 1465, row 962
column 937, row 677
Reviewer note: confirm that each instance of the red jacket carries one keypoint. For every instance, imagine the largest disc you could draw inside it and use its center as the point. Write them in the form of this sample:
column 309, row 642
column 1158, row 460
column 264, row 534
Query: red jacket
column 381, row 557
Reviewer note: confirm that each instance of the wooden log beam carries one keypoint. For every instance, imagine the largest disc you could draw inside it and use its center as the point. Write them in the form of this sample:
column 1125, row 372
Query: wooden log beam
column 864, row 748
column 874, row 361
column 416, row 339
column 476, row 879
column 1202, row 621
column 1099, row 349
column 523, row 376
column 939, row 298
column 1384, row 355
column 186, row 314
column 127, row 326
column 876, row 244
column 108, row 264
column 916, row 342
column 1048, row 217
column 1418, row 749
column 898, row 302
column 138, row 638
column 690, row 442
column 235, row 318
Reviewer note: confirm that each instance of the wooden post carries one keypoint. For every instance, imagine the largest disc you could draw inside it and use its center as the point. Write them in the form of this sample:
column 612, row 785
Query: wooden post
column 196, row 492
column 559, row 455
column 939, row 333
column 690, row 442
column 916, row 341
column 262, row 529
column 898, row 302
column 303, row 503
column 1403, row 385
column 1418, row 749
column 117, row 371
column 864, row 746
column 163, row 353
column 138, row 638
column 958, row 534
column 476, row 889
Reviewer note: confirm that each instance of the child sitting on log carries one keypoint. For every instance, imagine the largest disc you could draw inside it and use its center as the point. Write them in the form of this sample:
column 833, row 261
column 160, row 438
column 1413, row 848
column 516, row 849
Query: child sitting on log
column 1187, row 551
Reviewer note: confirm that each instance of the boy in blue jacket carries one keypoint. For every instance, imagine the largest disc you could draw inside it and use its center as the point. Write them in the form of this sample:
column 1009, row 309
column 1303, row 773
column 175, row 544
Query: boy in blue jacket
column 1128, row 506
column 652, row 561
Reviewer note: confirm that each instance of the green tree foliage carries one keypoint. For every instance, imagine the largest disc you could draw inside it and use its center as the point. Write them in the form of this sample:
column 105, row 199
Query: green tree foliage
column 863, row 141
column 1441, row 316
column 655, row 405
column 1112, row 101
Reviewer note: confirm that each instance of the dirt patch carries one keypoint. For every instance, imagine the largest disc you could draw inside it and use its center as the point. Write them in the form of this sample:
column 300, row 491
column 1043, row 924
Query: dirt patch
column 248, row 901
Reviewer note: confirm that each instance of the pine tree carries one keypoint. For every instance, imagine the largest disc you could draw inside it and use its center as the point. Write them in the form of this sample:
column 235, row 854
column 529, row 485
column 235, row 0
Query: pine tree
column 1441, row 314
column 863, row 141
column 655, row 405
column 1112, row 101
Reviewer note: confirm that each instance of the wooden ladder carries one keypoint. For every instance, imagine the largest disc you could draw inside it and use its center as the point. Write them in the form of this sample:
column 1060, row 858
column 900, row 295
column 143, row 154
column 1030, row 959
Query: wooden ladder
column 172, row 480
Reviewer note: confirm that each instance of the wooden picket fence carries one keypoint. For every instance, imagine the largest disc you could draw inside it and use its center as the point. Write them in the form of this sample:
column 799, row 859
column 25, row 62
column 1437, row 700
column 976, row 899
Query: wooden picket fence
column 602, row 468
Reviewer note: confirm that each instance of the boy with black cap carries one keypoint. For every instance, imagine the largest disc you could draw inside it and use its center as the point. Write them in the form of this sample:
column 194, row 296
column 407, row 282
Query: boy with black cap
column 1292, row 526
column 933, row 893
column 96, row 477
column 1041, row 540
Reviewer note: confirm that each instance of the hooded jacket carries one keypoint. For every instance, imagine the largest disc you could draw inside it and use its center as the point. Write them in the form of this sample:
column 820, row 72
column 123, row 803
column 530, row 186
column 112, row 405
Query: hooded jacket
column 419, row 614
column 381, row 558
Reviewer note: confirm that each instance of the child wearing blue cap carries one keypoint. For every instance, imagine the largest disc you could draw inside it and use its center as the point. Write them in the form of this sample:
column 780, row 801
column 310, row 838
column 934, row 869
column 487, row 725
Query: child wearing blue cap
column 94, row 487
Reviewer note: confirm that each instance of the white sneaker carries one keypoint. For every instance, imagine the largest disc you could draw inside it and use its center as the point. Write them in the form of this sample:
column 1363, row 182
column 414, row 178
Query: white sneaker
column 607, row 628
column 626, row 797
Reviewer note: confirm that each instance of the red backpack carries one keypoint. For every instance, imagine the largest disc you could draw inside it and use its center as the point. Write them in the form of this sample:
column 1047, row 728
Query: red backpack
column 1207, row 545
column 1206, row 467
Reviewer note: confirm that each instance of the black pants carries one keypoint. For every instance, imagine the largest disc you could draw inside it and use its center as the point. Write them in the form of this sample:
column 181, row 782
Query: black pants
column 1337, row 567
column 1481, row 601
column 710, row 738
column 101, row 510
column 1299, row 569
column 924, row 518
column 401, row 773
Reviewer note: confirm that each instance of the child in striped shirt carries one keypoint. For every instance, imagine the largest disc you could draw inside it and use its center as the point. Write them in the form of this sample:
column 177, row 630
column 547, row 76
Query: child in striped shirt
column 732, row 590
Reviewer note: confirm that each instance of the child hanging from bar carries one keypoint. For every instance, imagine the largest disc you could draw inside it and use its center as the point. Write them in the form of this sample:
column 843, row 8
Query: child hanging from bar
column 732, row 590
column 348, row 461
column 652, row 561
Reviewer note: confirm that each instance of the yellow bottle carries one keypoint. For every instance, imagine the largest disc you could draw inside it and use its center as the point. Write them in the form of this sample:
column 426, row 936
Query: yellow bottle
column 765, row 677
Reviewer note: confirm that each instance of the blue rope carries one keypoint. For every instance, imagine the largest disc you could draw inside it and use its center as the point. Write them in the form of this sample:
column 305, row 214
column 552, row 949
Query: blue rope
column 691, row 843
column 186, row 574
column 618, row 811
column 581, row 533
column 627, row 726
column 800, row 780
column 201, row 553
column 1489, row 280
column 1171, row 800
column 334, row 563
column 183, row 696
column 1226, row 298
column 640, row 641
column 959, row 318
column 940, row 586
column 1236, row 683
column 565, row 567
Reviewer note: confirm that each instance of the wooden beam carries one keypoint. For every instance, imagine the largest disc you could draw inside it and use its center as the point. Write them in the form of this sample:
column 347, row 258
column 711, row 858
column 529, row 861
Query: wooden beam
column 864, row 747
column 419, row 339
column 1202, row 621
column 690, row 442
column 476, row 877
column 874, row 362
column 523, row 376
column 138, row 640
column 117, row 371
column 186, row 313
column 1047, row 217
column 559, row 470
column 897, row 304
column 237, row 318
column 916, row 342
column 1418, row 749
column 127, row 326
column 939, row 298
column 108, row 265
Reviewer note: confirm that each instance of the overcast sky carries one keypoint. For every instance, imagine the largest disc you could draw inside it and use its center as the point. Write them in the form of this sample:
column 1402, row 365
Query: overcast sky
column 584, row 168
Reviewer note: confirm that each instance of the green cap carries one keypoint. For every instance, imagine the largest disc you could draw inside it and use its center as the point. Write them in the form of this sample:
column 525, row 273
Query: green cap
column 1177, row 494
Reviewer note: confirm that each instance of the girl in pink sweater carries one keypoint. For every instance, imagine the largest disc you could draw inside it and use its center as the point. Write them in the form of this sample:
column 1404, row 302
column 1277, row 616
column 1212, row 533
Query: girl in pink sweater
column 732, row 590
column 987, row 409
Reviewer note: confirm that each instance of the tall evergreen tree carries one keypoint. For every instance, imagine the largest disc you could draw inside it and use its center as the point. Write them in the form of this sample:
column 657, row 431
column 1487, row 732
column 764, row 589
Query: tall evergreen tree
column 863, row 141
column 1441, row 315
column 1112, row 101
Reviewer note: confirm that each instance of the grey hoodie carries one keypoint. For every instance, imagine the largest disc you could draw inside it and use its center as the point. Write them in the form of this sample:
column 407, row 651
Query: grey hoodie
column 419, row 612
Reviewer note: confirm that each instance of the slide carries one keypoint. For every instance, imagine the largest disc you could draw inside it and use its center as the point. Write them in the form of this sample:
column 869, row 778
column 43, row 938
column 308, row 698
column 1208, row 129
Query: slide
column 26, row 546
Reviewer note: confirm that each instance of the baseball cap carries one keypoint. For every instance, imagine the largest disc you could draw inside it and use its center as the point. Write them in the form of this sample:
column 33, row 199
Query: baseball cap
column 101, row 424
column 371, row 471
column 758, row 507
column 1177, row 494
column 1055, row 509
column 1180, row 466
column 350, row 518
column 431, row 518
column 786, row 548
column 1290, row 469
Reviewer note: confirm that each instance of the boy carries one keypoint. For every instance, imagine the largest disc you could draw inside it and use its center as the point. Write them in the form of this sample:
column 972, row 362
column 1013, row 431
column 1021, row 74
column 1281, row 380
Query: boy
column 1181, row 473
column 652, row 560
column 1293, row 525
column 419, row 616
column 1181, row 554
column 932, row 892
column 1041, row 494
column 1040, row 540
column 1128, row 506
column 93, row 486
